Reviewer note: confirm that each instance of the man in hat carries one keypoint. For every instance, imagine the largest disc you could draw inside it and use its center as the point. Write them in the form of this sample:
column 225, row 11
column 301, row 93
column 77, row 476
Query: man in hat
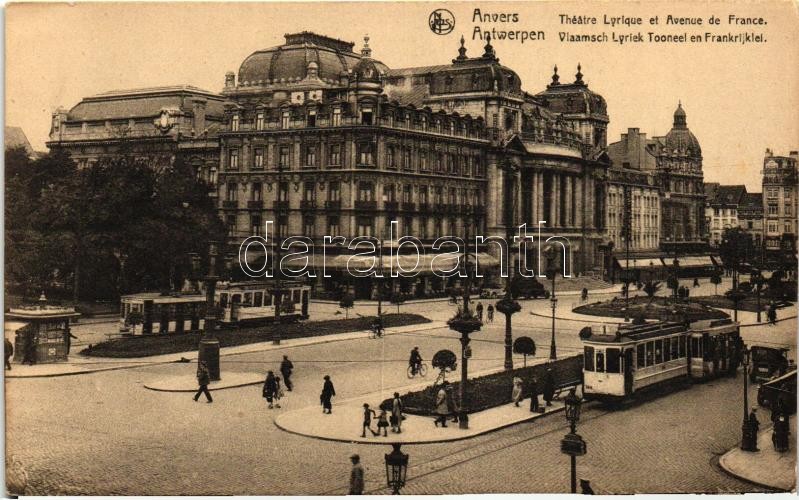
column 356, row 475
column 203, row 379
column 286, row 367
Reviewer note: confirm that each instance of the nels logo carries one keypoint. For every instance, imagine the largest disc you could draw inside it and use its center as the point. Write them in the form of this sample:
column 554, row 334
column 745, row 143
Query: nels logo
column 441, row 22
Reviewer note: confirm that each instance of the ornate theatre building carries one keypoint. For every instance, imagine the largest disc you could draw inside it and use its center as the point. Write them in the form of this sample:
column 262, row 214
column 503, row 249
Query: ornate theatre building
column 322, row 139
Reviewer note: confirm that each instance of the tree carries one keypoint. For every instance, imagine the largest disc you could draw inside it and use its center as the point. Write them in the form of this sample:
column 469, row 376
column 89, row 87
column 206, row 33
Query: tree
column 398, row 298
column 651, row 289
column 524, row 346
column 117, row 215
column 716, row 280
column 347, row 302
column 134, row 319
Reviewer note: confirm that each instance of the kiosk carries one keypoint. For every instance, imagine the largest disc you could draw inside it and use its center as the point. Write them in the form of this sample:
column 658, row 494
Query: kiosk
column 41, row 333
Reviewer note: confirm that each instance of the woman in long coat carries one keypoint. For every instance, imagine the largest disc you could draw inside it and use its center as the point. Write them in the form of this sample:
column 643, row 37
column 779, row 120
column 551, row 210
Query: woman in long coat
column 328, row 391
column 270, row 388
column 548, row 390
column 442, row 408
column 516, row 395
column 396, row 414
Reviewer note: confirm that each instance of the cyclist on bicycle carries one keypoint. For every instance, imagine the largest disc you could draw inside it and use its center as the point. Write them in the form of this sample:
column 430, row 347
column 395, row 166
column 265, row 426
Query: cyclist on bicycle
column 377, row 327
column 416, row 361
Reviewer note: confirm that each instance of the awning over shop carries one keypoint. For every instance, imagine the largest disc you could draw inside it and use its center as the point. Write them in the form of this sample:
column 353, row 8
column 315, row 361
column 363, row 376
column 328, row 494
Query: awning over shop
column 652, row 263
column 696, row 261
column 426, row 263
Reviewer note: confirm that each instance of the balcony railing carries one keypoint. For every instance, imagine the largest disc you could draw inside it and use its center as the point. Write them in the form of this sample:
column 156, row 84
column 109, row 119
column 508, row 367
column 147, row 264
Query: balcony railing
column 408, row 206
column 230, row 204
column 255, row 204
column 365, row 205
column 391, row 206
column 281, row 205
column 308, row 204
column 333, row 204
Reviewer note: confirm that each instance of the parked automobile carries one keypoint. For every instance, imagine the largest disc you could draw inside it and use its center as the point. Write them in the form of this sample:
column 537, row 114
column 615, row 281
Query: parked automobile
column 768, row 362
column 783, row 388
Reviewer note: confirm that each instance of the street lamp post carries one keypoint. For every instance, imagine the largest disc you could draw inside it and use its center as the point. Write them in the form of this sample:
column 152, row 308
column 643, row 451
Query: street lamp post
column 749, row 436
column 507, row 305
column 209, row 345
column 573, row 444
column 396, row 469
column 465, row 323
column 278, row 290
column 551, row 273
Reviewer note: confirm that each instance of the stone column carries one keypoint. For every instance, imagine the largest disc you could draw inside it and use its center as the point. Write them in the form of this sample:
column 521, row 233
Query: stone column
column 579, row 207
column 533, row 199
column 553, row 201
column 540, row 196
column 569, row 201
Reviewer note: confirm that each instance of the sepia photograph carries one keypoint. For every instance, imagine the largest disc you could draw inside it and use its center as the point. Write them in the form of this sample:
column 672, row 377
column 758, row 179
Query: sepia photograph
column 387, row 247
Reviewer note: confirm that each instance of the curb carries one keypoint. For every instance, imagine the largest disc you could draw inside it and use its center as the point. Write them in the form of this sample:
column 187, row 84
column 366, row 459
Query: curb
column 747, row 480
column 418, row 443
column 192, row 355
column 210, row 389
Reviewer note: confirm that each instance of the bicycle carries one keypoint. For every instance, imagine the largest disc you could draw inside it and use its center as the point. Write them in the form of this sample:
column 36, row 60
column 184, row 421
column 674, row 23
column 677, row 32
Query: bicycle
column 421, row 370
column 377, row 332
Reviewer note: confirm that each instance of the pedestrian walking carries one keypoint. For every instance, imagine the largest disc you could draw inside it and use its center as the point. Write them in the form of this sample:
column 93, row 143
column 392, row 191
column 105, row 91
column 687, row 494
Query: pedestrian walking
column 441, row 409
column 8, row 350
column 356, row 476
column 286, row 368
column 479, row 310
column 490, row 313
column 772, row 314
column 451, row 406
column 696, row 282
column 396, row 414
column 382, row 422
column 584, row 294
column 328, row 391
column 279, row 394
column 585, row 487
column 270, row 388
column 533, row 389
column 517, row 393
column 203, row 379
column 29, row 352
column 68, row 339
column 548, row 390
column 368, row 413
column 755, row 426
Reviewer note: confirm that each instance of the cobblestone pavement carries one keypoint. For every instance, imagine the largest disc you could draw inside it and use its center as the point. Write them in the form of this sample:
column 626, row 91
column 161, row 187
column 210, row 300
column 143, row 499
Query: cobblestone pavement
column 105, row 434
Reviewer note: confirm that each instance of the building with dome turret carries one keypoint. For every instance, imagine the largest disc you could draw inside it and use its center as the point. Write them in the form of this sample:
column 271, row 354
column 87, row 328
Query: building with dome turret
column 322, row 140
column 673, row 185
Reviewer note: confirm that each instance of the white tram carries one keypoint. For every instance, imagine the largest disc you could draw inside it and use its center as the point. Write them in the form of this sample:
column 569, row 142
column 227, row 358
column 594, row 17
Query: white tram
column 638, row 357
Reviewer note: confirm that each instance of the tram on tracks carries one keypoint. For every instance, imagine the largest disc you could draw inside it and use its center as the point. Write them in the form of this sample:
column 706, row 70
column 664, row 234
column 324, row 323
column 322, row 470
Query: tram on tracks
column 641, row 357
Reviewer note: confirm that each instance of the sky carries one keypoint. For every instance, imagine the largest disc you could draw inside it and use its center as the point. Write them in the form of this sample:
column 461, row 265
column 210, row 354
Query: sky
column 739, row 99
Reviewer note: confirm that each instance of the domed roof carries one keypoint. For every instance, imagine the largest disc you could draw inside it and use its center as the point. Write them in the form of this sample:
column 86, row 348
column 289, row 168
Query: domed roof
column 679, row 138
column 291, row 61
column 366, row 70
column 573, row 98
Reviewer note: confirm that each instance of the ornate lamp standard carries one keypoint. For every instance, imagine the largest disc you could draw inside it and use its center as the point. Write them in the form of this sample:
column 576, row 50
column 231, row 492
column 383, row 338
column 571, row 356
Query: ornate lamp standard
column 552, row 271
column 209, row 345
column 572, row 444
column 396, row 469
column 749, row 437
column 757, row 281
column 507, row 305
column 465, row 323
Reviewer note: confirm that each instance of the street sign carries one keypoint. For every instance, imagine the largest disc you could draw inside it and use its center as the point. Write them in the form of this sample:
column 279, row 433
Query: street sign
column 573, row 445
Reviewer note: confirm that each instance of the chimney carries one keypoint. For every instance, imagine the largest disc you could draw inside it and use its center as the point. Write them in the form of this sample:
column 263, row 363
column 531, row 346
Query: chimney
column 768, row 153
column 633, row 146
column 794, row 155
column 230, row 80
column 198, row 108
